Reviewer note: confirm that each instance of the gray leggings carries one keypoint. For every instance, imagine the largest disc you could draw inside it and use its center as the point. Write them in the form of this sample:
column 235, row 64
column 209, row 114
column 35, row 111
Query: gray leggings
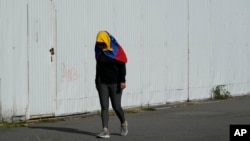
column 107, row 91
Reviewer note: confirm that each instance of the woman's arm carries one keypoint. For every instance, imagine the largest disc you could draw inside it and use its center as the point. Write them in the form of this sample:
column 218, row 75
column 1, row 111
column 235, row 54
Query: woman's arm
column 122, row 77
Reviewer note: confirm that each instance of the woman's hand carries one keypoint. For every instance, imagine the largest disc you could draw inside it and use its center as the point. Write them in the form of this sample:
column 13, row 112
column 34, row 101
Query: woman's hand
column 123, row 85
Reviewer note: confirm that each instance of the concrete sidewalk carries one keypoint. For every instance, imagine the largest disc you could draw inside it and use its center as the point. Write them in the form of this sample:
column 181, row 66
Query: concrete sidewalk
column 206, row 121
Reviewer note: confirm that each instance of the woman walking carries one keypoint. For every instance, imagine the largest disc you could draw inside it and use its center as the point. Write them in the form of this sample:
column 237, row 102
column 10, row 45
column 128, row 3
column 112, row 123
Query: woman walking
column 110, row 79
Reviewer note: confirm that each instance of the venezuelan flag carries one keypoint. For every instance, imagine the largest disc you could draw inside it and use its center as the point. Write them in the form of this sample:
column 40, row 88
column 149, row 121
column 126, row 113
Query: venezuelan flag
column 112, row 49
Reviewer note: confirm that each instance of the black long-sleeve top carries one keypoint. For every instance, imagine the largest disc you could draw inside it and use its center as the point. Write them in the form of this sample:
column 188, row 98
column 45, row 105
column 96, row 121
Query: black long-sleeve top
column 110, row 71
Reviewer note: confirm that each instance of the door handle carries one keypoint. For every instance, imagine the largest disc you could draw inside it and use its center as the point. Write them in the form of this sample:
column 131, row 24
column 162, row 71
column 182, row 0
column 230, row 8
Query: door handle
column 52, row 51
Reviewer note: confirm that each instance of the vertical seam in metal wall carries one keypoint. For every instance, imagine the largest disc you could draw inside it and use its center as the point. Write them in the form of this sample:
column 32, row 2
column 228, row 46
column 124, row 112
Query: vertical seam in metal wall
column 28, row 88
column 166, row 58
column 188, row 30
column 0, row 100
column 55, row 43
column 1, row 64
column 55, row 58
column 209, row 45
column 13, row 76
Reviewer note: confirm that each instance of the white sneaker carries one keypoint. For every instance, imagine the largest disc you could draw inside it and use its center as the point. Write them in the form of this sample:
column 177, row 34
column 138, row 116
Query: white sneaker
column 103, row 134
column 124, row 129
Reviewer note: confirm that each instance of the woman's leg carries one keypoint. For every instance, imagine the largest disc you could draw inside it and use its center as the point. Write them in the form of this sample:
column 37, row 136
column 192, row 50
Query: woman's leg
column 103, row 92
column 116, row 102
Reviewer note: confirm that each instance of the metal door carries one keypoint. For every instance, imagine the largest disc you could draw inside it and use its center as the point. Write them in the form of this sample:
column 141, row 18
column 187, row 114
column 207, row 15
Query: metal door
column 41, row 58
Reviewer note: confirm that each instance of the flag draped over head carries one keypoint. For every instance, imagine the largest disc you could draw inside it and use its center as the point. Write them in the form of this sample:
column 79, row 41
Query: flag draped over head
column 112, row 49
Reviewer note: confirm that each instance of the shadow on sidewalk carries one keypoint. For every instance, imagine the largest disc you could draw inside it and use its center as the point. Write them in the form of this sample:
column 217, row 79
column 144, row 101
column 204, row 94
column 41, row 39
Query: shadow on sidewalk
column 63, row 129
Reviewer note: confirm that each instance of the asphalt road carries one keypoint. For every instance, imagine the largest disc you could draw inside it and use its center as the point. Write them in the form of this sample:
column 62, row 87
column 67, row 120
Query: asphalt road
column 203, row 121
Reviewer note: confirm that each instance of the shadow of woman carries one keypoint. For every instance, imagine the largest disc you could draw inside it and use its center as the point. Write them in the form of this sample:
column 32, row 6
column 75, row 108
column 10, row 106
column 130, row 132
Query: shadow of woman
column 63, row 129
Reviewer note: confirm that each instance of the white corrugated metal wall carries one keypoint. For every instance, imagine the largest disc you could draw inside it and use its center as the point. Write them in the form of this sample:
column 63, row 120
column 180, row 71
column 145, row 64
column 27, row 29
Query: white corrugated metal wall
column 177, row 51
column 199, row 34
column 40, row 41
column 13, row 55
column 73, row 59
column 230, row 45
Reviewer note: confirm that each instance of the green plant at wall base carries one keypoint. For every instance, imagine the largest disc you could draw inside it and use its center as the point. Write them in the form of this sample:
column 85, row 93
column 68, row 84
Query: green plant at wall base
column 219, row 92
column 12, row 124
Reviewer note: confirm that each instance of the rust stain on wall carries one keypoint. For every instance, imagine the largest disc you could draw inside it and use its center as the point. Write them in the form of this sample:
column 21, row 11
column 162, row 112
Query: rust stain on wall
column 69, row 73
